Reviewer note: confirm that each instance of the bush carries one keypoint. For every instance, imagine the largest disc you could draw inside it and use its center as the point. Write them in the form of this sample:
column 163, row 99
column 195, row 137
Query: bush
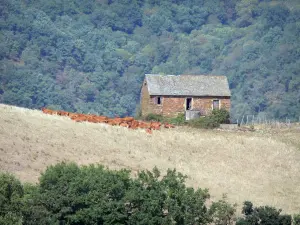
column 154, row 117
column 222, row 212
column 296, row 219
column 212, row 121
column 178, row 120
column 285, row 219
column 264, row 215
column 209, row 122
column 220, row 116
column 204, row 122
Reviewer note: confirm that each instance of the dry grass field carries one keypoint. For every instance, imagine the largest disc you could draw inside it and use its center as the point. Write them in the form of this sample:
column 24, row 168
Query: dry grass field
column 261, row 166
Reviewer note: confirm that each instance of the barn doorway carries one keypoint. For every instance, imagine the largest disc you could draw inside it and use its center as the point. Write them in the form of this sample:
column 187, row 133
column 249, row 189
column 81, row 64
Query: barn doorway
column 188, row 104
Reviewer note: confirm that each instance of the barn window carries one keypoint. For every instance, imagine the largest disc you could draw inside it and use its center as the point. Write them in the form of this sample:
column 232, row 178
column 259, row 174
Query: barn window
column 188, row 104
column 158, row 100
column 216, row 104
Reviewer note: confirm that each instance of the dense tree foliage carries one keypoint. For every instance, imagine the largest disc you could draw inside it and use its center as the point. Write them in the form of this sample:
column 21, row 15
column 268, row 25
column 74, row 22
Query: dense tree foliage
column 91, row 56
column 264, row 215
column 11, row 194
column 68, row 194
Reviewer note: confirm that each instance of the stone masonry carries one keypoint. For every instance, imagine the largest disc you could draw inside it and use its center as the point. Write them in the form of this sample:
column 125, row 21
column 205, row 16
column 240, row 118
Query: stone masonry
column 172, row 105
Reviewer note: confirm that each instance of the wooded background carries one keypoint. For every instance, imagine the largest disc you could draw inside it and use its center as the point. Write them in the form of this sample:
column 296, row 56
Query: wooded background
column 91, row 56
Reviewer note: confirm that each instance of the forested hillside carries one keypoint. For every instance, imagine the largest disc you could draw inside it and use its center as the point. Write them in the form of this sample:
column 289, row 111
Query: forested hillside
column 91, row 56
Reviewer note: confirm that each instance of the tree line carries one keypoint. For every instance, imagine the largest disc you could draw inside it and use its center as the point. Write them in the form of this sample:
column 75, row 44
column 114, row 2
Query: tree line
column 69, row 194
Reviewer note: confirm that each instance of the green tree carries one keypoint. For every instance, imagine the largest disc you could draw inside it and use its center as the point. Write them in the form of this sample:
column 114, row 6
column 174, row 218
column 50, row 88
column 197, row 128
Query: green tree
column 92, row 194
column 11, row 194
column 264, row 215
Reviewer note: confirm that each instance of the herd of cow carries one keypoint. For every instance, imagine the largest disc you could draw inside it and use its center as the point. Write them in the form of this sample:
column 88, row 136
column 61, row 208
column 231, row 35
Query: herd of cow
column 128, row 122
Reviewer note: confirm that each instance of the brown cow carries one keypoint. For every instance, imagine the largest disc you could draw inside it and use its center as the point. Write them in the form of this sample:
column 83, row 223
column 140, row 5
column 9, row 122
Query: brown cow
column 144, row 125
column 62, row 113
column 80, row 119
column 155, row 125
column 128, row 119
column 167, row 125
column 128, row 122
column 101, row 119
column 75, row 115
column 149, row 131
column 114, row 122
column 48, row 111
column 72, row 115
column 123, row 124
column 134, row 124
column 92, row 119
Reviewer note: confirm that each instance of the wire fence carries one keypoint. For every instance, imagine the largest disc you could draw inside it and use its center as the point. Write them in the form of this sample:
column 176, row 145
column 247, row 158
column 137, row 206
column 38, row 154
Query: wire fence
column 248, row 120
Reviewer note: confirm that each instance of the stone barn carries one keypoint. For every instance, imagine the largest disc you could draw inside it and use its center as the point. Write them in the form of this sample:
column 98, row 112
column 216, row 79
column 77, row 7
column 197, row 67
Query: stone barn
column 169, row 95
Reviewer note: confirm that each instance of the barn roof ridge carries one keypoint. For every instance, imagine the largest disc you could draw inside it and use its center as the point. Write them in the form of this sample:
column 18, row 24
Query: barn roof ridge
column 187, row 85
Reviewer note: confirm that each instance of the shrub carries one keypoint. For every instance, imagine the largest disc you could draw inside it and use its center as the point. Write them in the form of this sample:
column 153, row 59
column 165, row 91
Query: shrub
column 264, row 215
column 248, row 208
column 220, row 116
column 212, row 121
column 204, row 122
column 178, row 120
column 154, row 117
column 222, row 212
column 285, row 220
column 296, row 219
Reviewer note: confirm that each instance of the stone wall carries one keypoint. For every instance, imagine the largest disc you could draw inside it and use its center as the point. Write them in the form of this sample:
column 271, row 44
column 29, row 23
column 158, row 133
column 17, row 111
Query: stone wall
column 204, row 104
column 170, row 106
column 148, row 104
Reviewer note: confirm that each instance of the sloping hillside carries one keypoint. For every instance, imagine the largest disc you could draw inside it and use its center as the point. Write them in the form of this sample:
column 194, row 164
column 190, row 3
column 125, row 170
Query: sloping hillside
column 262, row 167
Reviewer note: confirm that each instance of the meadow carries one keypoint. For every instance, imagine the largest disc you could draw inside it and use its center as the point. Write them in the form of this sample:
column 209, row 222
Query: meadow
column 260, row 166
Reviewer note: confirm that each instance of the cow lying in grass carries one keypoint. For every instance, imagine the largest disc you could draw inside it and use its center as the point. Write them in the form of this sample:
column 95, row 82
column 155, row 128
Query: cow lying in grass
column 128, row 122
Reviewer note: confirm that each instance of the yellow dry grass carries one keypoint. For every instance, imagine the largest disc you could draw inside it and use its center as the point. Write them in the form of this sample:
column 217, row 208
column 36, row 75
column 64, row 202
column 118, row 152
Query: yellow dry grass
column 261, row 166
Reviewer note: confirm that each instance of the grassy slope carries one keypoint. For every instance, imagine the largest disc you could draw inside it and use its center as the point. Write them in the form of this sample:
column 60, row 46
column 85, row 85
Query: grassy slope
column 262, row 167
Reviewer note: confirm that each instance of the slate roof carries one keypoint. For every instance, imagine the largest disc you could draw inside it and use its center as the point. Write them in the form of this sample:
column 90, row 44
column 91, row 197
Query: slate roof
column 187, row 85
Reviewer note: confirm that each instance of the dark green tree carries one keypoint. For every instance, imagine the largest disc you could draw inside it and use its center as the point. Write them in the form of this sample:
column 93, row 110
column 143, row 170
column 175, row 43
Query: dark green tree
column 264, row 215
column 11, row 194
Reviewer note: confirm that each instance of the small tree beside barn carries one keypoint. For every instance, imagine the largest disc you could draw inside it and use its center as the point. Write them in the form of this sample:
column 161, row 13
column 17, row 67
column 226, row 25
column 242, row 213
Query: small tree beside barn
column 169, row 95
